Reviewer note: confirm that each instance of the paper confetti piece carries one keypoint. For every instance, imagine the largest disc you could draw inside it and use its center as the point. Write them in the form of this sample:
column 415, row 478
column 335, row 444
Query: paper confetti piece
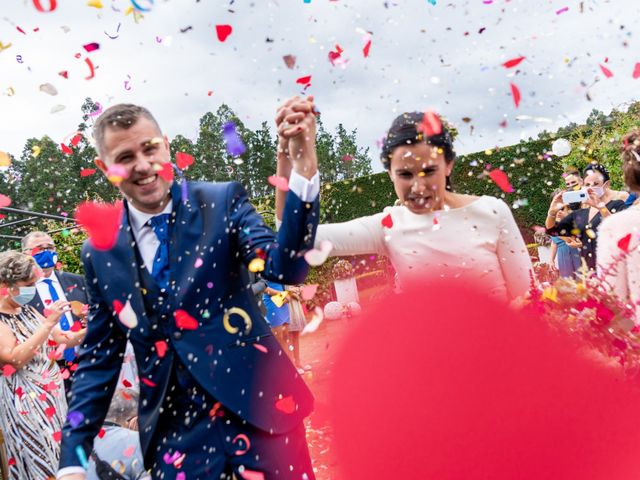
column 52, row 6
column 165, row 171
column 94, row 3
column 148, row 382
column 367, row 47
column 241, row 437
column 387, row 221
column 82, row 456
column 309, row 291
column 289, row 61
column 76, row 139
column 90, row 47
column 636, row 71
column 161, row 348
column 184, row 320
column 513, row 62
column 281, row 183
column 77, row 308
column 87, row 172
column 314, row 323
column 5, row 159
column 75, row 418
column 562, row 10
column 261, row 348
column 242, row 314
column 316, row 257
column 515, row 91
column 183, row 160
column 8, row 370
column 501, row 179
column 256, row 265
column 279, row 298
column 223, row 32
column 607, row 73
column 116, row 173
column 232, row 140
column 125, row 313
column 48, row 89
column 306, row 81
column 57, row 436
column 430, row 124
column 101, row 221
column 137, row 5
column 286, row 404
column 623, row 243
column 252, row 474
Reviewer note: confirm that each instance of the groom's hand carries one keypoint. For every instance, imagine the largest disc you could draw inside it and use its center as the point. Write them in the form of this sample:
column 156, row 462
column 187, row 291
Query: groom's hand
column 296, row 122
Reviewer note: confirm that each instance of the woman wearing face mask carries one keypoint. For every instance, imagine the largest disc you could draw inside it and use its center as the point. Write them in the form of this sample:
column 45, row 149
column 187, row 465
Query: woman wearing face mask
column 584, row 223
column 619, row 264
column 434, row 233
column 31, row 388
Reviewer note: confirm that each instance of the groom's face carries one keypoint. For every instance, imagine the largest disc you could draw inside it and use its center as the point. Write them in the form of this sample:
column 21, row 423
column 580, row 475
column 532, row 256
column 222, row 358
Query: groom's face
column 140, row 151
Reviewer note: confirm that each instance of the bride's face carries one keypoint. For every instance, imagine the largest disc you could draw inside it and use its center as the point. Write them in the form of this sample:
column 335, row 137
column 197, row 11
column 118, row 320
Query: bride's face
column 419, row 175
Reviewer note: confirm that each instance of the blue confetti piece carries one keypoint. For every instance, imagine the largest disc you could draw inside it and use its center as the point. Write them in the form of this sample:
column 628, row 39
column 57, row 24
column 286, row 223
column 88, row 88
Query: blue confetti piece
column 432, row 2
column 75, row 418
column 82, row 457
column 235, row 147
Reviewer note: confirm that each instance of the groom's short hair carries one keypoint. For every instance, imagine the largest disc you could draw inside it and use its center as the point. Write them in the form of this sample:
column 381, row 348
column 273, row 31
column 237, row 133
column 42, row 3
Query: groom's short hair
column 122, row 116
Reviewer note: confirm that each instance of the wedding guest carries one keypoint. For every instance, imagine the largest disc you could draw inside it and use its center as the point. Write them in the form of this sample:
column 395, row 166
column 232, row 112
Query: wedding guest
column 565, row 250
column 435, row 232
column 297, row 322
column 572, row 179
column 277, row 312
column 619, row 246
column 31, row 388
column 584, row 223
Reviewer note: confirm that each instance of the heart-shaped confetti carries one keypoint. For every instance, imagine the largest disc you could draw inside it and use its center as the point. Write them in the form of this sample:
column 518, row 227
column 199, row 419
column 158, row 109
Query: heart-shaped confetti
column 8, row 370
column 126, row 314
column 75, row 418
column 316, row 257
column 101, row 221
column 286, row 404
column 165, row 171
column 184, row 320
column 183, row 160
column 223, row 32
column 281, row 183
column 161, row 348
column 623, row 243
column 387, row 221
column 431, row 124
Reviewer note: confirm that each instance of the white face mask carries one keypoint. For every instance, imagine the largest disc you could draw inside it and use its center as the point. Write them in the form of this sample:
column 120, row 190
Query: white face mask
column 599, row 191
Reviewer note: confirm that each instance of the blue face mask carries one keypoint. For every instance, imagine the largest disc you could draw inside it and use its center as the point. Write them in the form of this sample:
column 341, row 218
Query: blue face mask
column 25, row 296
column 46, row 259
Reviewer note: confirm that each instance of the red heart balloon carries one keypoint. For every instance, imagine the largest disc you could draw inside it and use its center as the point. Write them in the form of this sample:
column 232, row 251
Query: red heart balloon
column 471, row 390
column 223, row 31
column 101, row 221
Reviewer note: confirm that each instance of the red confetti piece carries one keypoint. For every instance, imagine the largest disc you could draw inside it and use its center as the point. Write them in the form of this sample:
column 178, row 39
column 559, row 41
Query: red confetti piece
column 334, row 57
column 223, row 32
column 636, row 71
column 245, row 439
column 50, row 411
column 64, row 74
column 251, row 475
column 184, row 320
column 92, row 71
column 66, row 150
column 366, row 48
column 166, row 172
column 513, row 62
column 102, row 433
column 431, row 124
column 52, row 6
column 86, row 172
column 387, row 221
column 148, row 382
column 281, row 183
column 500, row 178
column 306, row 81
column 161, row 348
column 90, row 47
column 289, row 61
column 11, row 462
column 286, row 404
column 117, row 306
column 623, row 243
column 126, row 383
column 8, row 370
column 21, row 30
column 516, row 94
column 607, row 73
column 76, row 139
column 183, row 160
column 57, row 436
column 76, row 327
column 19, row 392
column 4, row 201
column 261, row 348
column 101, row 221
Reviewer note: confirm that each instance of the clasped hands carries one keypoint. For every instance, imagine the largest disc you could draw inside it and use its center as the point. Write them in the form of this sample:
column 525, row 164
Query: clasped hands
column 296, row 126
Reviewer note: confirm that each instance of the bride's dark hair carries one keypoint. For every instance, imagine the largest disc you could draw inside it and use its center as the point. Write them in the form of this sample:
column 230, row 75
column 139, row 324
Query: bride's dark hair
column 404, row 131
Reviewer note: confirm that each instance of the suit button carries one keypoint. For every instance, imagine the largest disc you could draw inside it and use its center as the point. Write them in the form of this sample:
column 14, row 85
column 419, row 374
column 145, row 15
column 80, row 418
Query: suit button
column 177, row 335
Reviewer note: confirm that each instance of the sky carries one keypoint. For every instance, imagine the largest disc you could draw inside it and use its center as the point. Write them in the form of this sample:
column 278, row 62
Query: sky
column 445, row 57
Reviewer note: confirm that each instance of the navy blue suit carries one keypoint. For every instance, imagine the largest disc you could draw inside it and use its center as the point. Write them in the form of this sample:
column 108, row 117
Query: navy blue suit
column 241, row 367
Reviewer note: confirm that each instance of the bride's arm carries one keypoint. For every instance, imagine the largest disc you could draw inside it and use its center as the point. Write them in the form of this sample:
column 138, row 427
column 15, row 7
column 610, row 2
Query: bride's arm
column 364, row 235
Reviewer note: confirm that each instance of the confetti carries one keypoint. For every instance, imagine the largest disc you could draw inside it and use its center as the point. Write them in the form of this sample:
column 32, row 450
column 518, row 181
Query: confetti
column 314, row 323
column 101, row 221
column 75, row 418
column 316, row 257
column 252, row 474
column 256, row 265
column 241, row 437
column 94, row 3
column 48, row 89
column 623, row 243
column 286, row 404
column 184, row 320
column 87, row 172
column 279, row 298
column 116, row 173
column 52, row 6
column 125, row 313
column 161, row 348
column 183, row 160
column 4, row 47
column 137, row 5
column 82, row 456
column 281, row 183
column 607, row 73
column 223, row 32
column 562, row 10
column 165, row 171
column 261, row 348
column 148, row 382
column 335, row 57
column 501, row 179
column 8, row 370
column 91, row 68
column 430, row 124
column 289, row 61
column 5, row 159
column 57, row 436
column 306, row 81
column 367, row 47
column 387, row 221
column 513, row 62
column 198, row 263
column 242, row 314
column 232, row 140
column 90, row 47
column 636, row 71
column 515, row 91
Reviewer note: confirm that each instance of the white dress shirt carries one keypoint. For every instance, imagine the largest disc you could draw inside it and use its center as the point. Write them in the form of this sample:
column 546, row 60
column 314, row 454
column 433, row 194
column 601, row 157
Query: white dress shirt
column 45, row 295
column 147, row 242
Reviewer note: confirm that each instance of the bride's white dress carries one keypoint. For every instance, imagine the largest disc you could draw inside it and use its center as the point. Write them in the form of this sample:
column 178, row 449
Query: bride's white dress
column 479, row 243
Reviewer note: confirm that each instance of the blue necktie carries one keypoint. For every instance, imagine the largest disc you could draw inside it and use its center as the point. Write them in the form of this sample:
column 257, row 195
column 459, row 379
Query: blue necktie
column 160, row 269
column 69, row 353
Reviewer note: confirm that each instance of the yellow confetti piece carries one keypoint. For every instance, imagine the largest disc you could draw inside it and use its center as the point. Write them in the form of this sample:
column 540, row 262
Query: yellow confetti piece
column 35, row 150
column 278, row 298
column 10, row 92
column 590, row 233
column 244, row 315
column 5, row 159
column 550, row 293
column 256, row 265
column 488, row 152
column 4, row 47
column 94, row 3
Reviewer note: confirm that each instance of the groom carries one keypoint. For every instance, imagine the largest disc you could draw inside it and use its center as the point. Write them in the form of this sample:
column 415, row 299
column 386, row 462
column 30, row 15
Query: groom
column 217, row 394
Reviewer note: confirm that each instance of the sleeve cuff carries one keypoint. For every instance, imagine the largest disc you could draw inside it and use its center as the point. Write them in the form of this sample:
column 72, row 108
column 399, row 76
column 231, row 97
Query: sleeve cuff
column 305, row 190
column 70, row 471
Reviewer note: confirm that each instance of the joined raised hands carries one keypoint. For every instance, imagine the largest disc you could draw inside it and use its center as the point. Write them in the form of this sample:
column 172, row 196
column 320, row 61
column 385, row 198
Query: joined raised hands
column 296, row 126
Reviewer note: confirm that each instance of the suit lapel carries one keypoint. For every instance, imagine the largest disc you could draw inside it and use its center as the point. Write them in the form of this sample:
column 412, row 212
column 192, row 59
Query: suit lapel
column 187, row 222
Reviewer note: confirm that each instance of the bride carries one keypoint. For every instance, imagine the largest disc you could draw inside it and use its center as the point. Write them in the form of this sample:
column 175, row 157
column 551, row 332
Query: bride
column 434, row 233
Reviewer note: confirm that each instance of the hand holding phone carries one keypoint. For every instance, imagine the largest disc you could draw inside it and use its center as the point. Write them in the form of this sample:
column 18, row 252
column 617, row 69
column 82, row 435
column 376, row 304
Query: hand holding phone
column 576, row 196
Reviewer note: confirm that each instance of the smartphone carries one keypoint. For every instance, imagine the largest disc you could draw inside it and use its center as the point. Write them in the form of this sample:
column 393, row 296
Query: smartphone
column 577, row 196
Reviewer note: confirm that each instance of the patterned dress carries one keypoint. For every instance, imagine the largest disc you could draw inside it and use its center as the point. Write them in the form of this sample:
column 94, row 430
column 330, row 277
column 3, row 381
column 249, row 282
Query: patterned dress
column 33, row 407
